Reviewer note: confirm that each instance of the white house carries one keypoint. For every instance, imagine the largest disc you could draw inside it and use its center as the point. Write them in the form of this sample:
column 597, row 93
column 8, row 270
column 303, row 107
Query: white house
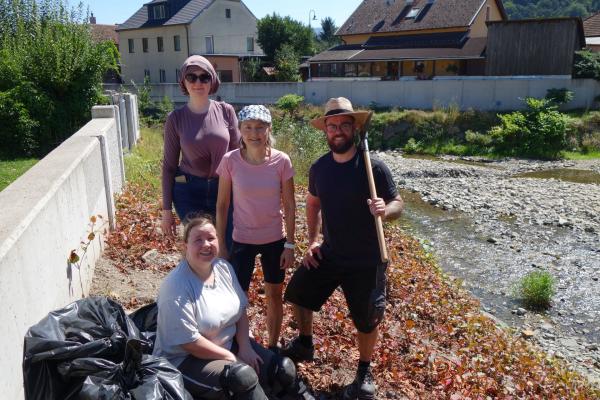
column 156, row 40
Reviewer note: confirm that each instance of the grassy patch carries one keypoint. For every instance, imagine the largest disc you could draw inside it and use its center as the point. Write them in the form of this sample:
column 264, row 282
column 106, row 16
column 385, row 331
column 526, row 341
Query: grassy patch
column 12, row 169
column 536, row 289
column 572, row 155
column 143, row 165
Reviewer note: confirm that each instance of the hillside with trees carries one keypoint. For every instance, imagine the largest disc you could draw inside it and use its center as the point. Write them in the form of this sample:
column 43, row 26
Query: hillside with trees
column 521, row 9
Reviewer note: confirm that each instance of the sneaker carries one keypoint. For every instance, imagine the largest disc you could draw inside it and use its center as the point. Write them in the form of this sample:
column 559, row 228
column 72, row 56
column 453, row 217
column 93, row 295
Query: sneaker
column 297, row 351
column 362, row 388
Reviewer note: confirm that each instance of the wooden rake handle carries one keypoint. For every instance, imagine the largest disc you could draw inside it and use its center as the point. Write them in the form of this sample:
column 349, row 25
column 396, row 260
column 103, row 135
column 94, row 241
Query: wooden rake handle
column 373, row 190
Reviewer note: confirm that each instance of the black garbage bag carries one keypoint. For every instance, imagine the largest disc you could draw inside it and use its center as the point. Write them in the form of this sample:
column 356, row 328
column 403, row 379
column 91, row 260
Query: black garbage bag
column 140, row 376
column 91, row 349
column 145, row 319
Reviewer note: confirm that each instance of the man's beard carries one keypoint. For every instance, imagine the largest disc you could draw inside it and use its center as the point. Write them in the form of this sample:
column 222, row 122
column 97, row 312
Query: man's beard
column 340, row 147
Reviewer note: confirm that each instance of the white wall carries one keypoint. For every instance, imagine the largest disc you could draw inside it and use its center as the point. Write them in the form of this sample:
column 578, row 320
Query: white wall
column 46, row 214
column 229, row 34
column 134, row 64
column 481, row 93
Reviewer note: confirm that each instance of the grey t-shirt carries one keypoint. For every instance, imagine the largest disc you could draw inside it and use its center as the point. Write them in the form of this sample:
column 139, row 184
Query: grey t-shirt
column 188, row 309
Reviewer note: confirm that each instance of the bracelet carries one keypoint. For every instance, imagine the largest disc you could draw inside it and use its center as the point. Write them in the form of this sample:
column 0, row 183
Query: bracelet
column 288, row 245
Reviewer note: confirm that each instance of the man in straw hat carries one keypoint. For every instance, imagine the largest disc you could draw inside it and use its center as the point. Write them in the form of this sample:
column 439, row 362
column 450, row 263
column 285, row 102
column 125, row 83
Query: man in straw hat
column 349, row 255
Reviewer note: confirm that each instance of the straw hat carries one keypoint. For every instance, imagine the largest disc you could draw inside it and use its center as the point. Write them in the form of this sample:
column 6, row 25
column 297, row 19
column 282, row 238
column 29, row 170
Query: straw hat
column 340, row 106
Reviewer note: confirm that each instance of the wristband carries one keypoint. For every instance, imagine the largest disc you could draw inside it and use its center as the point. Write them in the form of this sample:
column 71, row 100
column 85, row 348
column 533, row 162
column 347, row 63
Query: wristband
column 288, row 245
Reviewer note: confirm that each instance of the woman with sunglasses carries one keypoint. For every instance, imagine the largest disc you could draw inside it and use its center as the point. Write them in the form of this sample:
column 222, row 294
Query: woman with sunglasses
column 197, row 136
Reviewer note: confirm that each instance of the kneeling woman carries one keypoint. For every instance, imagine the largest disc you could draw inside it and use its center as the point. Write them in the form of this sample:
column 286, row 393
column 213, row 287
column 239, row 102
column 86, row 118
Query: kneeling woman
column 203, row 328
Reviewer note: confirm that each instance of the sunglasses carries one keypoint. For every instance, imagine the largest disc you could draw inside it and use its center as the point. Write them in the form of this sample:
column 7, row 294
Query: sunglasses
column 203, row 78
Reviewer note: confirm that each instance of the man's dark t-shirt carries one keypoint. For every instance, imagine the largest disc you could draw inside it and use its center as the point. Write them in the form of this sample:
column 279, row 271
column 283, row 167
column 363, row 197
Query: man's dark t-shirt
column 350, row 236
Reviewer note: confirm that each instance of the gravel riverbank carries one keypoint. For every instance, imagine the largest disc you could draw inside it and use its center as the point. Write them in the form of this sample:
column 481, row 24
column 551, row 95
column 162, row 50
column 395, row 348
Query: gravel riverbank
column 489, row 228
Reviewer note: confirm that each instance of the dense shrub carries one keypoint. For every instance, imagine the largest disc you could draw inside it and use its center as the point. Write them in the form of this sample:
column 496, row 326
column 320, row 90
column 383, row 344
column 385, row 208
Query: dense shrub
column 586, row 65
column 559, row 96
column 290, row 103
column 538, row 131
column 50, row 74
column 301, row 141
column 536, row 289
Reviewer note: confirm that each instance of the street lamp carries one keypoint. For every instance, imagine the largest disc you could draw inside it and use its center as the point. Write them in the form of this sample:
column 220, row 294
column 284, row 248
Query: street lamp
column 314, row 18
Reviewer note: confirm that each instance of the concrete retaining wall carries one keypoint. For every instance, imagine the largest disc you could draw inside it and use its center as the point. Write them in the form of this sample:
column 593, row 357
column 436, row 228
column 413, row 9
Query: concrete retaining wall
column 46, row 214
column 486, row 93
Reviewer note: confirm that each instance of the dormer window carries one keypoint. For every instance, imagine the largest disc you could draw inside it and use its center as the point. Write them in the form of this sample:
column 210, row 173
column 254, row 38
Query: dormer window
column 413, row 13
column 159, row 12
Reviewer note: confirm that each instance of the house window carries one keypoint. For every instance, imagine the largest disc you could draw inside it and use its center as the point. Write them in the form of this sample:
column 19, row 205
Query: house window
column 380, row 68
column 159, row 12
column 177, row 43
column 228, row 13
column 147, row 74
column 324, row 70
column 162, row 75
column 337, row 69
column 145, row 45
column 225, row 75
column 210, row 45
column 350, row 70
column 364, row 69
column 250, row 44
column 160, row 44
column 412, row 14
column 131, row 45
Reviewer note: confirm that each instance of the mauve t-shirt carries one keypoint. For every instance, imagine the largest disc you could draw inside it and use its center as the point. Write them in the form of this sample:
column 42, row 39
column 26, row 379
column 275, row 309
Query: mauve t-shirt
column 200, row 139
column 257, row 215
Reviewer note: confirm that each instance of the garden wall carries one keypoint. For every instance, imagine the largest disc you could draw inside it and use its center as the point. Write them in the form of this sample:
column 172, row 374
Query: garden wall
column 485, row 93
column 46, row 214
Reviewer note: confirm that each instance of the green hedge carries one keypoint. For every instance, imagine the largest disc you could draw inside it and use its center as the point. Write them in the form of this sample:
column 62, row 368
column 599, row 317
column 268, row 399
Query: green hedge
column 50, row 74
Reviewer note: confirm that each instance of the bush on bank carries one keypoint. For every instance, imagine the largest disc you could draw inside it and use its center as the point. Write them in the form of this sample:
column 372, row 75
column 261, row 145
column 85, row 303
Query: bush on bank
column 50, row 74
column 539, row 131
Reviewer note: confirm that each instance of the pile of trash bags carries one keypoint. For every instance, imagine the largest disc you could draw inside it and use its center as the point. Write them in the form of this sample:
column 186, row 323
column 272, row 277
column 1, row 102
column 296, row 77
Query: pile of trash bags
column 92, row 349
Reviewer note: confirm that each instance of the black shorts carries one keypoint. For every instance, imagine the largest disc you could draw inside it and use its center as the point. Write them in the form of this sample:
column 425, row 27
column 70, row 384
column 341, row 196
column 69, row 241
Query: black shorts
column 363, row 287
column 242, row 259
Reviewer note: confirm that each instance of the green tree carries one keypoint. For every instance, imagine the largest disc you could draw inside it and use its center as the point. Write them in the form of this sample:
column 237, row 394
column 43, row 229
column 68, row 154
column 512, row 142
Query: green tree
column 328, row 30
column 286, row 63
column 327, row 36
column 50, row 72
column 275, row 31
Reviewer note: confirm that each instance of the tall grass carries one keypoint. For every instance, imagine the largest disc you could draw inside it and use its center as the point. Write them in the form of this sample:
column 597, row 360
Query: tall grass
column 143, row 164
column 303, row 143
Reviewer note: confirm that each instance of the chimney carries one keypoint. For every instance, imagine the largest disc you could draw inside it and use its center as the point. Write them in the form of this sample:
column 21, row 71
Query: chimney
column 92, row 19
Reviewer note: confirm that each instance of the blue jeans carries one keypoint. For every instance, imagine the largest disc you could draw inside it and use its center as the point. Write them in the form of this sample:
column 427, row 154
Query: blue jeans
column 199, row 195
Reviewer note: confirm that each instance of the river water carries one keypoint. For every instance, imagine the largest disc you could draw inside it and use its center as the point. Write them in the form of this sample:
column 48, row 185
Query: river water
column 490, row 251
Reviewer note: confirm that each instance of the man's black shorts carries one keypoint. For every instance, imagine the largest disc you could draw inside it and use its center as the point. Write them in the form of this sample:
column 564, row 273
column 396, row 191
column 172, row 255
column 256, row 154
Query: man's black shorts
column 363, row 287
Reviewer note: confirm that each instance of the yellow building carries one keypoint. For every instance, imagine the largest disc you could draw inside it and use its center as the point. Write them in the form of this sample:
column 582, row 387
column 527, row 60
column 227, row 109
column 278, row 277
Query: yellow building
column 156, row 40
column 390, row 39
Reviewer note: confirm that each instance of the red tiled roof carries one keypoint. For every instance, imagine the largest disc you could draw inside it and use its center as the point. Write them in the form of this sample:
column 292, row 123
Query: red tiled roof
column 104, row 32
column 591, row 25
column 375, row 16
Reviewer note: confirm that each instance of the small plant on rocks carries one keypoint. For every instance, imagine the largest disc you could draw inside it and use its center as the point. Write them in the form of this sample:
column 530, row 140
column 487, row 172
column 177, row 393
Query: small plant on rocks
column 536, row 289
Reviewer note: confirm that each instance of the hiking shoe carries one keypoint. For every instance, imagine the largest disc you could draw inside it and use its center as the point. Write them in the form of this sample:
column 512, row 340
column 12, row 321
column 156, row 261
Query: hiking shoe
column 297, row 351
column 362, row 388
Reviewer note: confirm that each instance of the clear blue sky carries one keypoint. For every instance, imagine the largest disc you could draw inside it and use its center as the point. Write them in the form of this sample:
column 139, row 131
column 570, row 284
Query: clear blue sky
column 117, row 11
